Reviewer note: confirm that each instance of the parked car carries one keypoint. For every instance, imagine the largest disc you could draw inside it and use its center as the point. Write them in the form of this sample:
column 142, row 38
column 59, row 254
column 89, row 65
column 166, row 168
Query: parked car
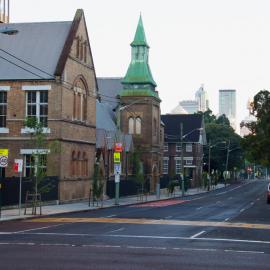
column 268, row 193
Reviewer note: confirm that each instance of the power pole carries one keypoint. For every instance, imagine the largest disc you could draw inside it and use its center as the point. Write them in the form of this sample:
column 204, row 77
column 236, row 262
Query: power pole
column 182, row 160
column 209, row 170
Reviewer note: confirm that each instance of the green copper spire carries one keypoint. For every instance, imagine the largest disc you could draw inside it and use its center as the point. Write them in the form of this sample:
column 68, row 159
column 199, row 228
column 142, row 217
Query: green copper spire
column 139, row 80
column 139, row 39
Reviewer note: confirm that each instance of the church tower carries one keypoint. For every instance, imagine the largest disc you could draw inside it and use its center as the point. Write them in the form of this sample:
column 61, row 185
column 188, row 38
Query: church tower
column 140, row 108
column 4, row 11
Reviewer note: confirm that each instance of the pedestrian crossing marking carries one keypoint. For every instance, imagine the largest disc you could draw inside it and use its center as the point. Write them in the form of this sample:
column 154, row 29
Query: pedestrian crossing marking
column 142, row 221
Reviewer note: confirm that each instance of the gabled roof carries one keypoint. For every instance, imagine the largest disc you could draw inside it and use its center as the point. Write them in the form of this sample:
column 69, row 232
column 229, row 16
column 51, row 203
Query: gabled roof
column 109, row 88
column 104, row 118
column 39, row 44
column 190, row 122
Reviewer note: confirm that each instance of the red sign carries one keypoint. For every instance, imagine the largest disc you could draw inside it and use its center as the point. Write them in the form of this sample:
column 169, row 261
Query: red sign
column 15, row 167
column 118, row 147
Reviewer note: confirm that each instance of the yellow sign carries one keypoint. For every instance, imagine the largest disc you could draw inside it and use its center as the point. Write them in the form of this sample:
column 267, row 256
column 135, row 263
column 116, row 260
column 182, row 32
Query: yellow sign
column 4, row 152
column 117, row 157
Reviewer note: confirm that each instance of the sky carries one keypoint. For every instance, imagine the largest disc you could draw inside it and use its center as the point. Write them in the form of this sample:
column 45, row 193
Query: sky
column 223, row 44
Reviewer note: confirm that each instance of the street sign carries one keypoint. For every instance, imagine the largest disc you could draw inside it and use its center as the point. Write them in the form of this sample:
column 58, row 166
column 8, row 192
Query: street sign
column 3, row 158
column 18, row 165
column 117, row 157
column 117, row 178
column 117, row 168
column 118, row 147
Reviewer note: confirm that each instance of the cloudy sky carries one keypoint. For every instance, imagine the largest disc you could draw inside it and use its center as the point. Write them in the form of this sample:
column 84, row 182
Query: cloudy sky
column 224, row 44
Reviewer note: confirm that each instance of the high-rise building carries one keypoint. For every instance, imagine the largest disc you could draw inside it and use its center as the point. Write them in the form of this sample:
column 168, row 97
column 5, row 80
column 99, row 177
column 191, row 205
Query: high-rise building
column 227, row 105
column 244, row 131
column 202, row 98
column 4, row 11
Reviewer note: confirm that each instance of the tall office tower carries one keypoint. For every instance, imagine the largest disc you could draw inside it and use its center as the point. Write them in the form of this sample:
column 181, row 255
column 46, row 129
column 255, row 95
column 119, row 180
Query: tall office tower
column 4, row 11
column 202, row 98
column 227, row 105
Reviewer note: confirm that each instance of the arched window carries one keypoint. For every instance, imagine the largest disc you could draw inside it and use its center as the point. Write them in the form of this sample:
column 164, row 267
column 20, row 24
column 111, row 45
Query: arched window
column 85, row 165
column 138, row 125
column 80, row 101
column 78, row 164
column 73, row 163
column 131, row 125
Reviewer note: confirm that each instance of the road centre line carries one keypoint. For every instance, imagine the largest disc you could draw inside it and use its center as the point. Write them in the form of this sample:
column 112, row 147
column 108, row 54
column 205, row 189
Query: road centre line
column 148, row 237
column 244, row 251
column 197, row 234
column 130, row 247
column 143, row 221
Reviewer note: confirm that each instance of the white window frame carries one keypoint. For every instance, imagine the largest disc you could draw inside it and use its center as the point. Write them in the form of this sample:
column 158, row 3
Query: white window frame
column 165, row 167
column 189, row 162
column 189, row 147
column 4, row 129
column 178, row 166
column 166, row 147
column 178, row 147
column 37, row 103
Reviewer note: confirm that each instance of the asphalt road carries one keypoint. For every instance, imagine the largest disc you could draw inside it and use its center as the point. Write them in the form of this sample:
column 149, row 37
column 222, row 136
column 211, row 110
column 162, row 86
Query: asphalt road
column 224, row 229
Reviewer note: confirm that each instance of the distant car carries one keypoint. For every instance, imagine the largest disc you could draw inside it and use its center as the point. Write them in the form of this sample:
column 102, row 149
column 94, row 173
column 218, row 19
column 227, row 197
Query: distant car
column 268, row 194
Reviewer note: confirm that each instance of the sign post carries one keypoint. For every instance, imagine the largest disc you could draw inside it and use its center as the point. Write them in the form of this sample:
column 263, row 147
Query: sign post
column 117, row 170
column 3, row 164
column 18, row 167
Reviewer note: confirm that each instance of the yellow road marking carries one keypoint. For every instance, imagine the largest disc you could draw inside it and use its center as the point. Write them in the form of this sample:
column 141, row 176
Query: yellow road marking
column 154, row 222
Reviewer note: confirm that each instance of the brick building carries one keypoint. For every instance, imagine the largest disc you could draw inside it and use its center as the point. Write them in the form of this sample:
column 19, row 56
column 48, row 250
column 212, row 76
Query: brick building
column 193, row 140
column 140, row 108
column 47, row 72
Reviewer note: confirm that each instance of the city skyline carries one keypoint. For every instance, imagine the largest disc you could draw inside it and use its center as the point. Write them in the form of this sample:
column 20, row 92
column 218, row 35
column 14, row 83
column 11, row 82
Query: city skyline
column 222, row 45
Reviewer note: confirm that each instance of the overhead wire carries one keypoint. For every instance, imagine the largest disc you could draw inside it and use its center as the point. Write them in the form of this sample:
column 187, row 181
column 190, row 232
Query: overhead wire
column 41, row 70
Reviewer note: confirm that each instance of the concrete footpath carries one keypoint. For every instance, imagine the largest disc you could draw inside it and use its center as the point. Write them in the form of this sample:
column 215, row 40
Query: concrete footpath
column 13, row 214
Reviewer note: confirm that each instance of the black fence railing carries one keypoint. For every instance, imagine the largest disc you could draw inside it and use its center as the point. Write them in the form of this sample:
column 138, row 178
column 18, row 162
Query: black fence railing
column 11, row 188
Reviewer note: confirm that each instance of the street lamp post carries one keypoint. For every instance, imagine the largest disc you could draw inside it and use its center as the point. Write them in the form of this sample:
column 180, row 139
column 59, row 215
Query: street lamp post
column 117, row 175
column 182, row 156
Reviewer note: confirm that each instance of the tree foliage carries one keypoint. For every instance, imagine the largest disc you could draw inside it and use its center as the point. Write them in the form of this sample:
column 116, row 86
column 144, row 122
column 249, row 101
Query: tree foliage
column 219, row 135
column 257, row 144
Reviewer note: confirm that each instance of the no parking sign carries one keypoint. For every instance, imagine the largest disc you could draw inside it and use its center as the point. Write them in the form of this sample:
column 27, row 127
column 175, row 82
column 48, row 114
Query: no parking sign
column 3, row 158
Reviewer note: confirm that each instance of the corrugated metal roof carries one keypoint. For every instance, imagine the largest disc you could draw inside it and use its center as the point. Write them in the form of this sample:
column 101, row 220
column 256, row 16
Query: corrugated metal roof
column 39, row 44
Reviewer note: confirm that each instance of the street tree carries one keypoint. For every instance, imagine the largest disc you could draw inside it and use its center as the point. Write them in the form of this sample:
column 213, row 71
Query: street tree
column 256, row 144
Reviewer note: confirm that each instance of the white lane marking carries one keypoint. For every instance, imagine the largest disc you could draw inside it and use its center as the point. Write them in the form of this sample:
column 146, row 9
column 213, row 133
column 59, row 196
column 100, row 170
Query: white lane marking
column 111, row 216
column 227, row 219
column 199, row 208
column 117, row 230
column 244, row 251
column 151, row 237
column 40, row 228
column 138, row 247
column 101, row 246
column 199, row 249
column 197, row 234
column 130, row 247
column 242, row 210
column 224, row 192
